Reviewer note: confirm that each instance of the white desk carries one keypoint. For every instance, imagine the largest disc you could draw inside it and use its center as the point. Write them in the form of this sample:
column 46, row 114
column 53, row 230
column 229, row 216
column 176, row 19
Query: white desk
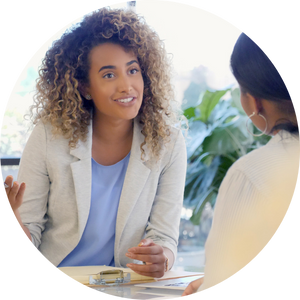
column 78, row 275
column 162, row 289
column 134, row 292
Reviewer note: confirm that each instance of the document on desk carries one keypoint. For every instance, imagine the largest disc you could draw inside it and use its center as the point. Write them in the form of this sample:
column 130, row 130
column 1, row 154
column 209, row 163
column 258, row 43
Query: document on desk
column 170, row 284
column 159, row 293
column 167, row 298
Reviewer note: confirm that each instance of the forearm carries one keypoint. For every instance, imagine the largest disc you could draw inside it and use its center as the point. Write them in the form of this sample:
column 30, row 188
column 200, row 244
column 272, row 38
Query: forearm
column 21, row 227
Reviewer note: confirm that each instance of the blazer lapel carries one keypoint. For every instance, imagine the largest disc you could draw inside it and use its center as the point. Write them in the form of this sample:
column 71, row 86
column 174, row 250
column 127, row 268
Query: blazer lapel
column 82, row 177
column 136, row 176
column 138, row 171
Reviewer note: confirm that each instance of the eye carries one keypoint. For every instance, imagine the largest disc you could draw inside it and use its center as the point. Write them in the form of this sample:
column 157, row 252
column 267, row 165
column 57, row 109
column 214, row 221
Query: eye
column 134, row 71
column 108, row 75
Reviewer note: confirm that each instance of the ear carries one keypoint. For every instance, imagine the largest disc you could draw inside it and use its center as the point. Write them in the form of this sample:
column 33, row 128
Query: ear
column 254, row 103
column 84, row 90
column 258, row 105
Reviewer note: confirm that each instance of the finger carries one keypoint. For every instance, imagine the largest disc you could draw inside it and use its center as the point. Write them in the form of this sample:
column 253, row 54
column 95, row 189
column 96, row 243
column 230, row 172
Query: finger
column 196, row 283
column 153, row 275
column 154, row 259
column 146, row 242
column 155, row 249
column 20, row 194
column 189, row 290
column 184, row 296
column 8, row 180
column 193, row 287
column 13, row 191
column 144, row 268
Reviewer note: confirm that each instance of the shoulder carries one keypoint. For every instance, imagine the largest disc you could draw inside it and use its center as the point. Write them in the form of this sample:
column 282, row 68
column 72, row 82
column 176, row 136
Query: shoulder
column 38, row 136
column 174, row 142
column 274, row 165
column 174, row 147
column 280, row 150
column 176, row 137
column 44, row 137
column 43, row 129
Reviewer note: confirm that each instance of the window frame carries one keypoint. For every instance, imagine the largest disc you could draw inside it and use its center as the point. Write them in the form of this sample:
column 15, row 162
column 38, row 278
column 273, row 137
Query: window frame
column 10, row 161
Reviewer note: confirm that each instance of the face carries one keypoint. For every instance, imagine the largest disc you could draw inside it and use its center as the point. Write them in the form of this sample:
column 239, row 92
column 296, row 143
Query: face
column 116, row 83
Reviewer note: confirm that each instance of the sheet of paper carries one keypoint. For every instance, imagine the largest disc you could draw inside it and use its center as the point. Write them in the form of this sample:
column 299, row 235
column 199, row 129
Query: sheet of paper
column 161, row 292
column 178, row 274
column 166, row 298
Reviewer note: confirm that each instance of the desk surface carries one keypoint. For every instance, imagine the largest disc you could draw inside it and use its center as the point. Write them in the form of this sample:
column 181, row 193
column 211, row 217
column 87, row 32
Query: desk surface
column 152, row 290
column 132, row 291
column 129, row 293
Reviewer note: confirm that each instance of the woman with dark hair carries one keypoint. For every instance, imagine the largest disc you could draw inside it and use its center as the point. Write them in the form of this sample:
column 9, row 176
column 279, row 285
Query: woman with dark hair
column 256, row 191
column 104, row 166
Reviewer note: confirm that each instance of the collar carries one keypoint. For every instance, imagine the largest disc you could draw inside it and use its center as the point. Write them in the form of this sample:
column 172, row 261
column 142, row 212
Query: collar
column 84, row 148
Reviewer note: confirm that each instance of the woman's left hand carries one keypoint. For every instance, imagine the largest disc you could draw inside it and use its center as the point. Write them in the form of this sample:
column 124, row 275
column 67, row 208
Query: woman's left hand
column 153, row 257
column 193, row 287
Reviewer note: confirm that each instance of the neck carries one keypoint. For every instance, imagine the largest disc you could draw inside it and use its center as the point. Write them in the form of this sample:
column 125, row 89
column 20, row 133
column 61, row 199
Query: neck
column 111, row 131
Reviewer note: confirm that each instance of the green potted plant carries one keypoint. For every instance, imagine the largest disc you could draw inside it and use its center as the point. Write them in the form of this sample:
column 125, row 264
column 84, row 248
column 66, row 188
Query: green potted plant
column 217, row 137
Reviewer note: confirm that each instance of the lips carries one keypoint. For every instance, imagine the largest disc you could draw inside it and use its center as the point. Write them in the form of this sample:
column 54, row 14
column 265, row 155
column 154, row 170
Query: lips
column 125, row 99
column 126, row 102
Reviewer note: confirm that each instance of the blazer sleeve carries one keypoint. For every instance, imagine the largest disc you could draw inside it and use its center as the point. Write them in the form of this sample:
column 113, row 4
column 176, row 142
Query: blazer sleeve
column 163, row 225
column 33, row 171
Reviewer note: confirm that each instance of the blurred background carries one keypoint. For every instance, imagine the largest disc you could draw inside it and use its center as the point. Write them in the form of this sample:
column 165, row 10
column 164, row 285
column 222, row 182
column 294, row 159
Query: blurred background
column 200, row 45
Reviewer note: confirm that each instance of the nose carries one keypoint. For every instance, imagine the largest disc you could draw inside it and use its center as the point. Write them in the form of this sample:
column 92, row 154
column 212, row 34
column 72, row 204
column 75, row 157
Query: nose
column 124, row 84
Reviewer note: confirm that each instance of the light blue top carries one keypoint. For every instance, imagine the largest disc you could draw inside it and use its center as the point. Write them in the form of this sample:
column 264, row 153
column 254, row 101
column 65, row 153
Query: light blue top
column 96, row 246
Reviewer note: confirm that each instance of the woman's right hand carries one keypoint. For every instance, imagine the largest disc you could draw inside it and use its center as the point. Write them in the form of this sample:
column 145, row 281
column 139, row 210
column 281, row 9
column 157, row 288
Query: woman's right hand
column 14, row 192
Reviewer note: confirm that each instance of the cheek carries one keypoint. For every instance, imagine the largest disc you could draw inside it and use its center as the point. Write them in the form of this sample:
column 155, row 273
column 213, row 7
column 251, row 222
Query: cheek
column 140, row 85
column 245, row 104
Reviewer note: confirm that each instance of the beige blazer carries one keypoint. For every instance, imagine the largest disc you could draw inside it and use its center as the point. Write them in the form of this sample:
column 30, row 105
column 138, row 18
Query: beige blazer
column 58, row 193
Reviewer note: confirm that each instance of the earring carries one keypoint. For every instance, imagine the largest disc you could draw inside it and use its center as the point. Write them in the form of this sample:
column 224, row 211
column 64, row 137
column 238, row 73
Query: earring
column 265, row 130
column 88, row 97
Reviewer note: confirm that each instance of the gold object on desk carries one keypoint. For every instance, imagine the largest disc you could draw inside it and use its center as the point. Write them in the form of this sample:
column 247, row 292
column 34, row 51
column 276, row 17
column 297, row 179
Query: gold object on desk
column 109, row 277
column 82, row 274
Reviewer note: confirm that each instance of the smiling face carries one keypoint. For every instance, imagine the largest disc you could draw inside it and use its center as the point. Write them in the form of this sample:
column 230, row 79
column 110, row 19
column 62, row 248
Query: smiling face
column 115, row 82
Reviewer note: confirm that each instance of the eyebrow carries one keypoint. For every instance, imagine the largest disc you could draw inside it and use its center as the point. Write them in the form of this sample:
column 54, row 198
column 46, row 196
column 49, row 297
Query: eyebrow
column 113, row 67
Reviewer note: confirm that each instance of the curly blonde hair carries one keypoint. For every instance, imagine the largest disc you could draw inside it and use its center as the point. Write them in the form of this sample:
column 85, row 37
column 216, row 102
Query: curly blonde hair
column 66, row 67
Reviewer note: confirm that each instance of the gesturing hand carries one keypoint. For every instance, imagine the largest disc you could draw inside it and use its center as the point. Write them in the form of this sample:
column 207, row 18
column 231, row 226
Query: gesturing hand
column 153, row 257
column 14, row 192
column 193, row 287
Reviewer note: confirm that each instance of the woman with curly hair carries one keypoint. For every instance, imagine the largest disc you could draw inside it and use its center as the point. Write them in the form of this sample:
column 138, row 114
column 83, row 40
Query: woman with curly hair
column 104, row 166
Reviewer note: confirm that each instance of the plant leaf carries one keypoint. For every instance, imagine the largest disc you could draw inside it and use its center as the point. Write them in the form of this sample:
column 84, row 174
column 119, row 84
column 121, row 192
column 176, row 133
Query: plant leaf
column 236, row 100
column 189, row 112
column 228, row 138
column 198, row 131
column 208, row 174
column 209, row 196
column 221, row 113
column 208, row 103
